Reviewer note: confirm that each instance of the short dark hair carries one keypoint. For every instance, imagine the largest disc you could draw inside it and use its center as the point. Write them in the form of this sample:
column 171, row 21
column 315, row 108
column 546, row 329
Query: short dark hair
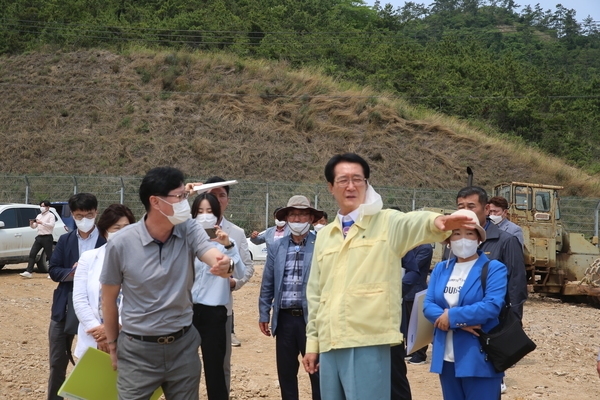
column 217, row 179
column 275, row 212
column 499, row 201
column 347, row 157
column 159, row 181
column 45, row 203
column 111, row 215
column 325, row 216
column 212, row 200
column 471, row 190
column 83, row 202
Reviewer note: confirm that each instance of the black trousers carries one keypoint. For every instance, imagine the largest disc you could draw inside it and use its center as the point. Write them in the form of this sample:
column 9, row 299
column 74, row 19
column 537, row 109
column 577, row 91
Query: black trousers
column 290, row 341
column 41, row 241
column 60, row 349
column 400, row 386
column 210, row 322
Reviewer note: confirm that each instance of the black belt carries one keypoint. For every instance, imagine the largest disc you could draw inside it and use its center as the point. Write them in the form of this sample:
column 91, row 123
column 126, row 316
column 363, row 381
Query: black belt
column 296, row 312
column 165, row 339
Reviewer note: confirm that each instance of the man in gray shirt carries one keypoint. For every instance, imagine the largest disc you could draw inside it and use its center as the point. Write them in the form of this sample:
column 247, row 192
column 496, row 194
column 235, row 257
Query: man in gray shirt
column 152, row 262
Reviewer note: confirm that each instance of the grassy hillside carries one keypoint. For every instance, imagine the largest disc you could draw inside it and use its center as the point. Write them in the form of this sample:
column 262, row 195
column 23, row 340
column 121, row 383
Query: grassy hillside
column 98, row 112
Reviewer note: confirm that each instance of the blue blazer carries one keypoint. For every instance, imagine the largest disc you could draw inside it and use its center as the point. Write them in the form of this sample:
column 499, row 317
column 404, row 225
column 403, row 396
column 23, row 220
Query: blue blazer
column 64, row 256
column 271, row 288
column 474, row 308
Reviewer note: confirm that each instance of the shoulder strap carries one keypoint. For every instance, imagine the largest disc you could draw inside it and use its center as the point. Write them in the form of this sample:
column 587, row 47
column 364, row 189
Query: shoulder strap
column 484, row 273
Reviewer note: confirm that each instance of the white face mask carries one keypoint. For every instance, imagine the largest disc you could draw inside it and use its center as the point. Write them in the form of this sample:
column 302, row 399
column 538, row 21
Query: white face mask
column 181, row 212
column 207, row 221
column 279, row 223
column 318, row 227
column 496, row 219
column 299, row 228
column 85, row 224
column 464, row 248
column 110, row 235
column 43, row 209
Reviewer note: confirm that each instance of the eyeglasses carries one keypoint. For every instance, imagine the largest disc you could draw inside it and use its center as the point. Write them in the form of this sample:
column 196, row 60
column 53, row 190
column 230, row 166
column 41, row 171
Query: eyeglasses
column 344, row 181
column 298, row 215
column 78, row 216
column 180, row 197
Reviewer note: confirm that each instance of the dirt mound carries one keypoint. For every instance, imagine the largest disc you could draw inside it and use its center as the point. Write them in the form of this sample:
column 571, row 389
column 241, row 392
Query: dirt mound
column 101, row 113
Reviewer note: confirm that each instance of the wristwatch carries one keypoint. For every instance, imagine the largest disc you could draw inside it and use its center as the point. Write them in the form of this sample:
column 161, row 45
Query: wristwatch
column 230, row 246
column 231, row 266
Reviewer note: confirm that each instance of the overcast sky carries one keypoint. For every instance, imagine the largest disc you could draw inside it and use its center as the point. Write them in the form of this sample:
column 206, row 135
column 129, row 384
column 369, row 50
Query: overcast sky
column 583, row 7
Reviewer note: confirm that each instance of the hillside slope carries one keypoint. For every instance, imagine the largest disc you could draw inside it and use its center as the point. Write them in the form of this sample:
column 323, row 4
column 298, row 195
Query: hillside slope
column 98, row 112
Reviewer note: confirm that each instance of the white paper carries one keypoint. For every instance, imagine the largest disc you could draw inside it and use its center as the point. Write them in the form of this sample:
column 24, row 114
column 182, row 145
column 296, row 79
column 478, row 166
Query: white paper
column 420, row 330
column 208, row 186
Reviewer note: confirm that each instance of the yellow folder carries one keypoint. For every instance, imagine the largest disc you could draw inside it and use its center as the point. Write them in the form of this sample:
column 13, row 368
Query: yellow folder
column 93, row 378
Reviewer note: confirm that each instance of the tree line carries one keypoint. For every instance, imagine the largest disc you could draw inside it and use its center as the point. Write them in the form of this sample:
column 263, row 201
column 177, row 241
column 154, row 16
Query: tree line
column 532, row 74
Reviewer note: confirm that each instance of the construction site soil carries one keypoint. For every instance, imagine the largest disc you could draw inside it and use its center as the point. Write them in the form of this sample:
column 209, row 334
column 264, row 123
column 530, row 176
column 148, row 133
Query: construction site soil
column 562, row 367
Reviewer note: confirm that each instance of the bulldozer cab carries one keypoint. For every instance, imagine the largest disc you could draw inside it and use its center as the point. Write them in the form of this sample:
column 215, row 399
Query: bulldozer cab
column 535, row 208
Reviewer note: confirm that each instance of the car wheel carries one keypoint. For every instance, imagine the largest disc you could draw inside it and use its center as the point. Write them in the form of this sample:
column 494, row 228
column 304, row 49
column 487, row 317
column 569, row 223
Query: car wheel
column 43, row 261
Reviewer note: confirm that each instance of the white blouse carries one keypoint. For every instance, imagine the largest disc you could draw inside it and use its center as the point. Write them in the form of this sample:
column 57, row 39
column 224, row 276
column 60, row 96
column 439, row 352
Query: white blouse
column 87, row 297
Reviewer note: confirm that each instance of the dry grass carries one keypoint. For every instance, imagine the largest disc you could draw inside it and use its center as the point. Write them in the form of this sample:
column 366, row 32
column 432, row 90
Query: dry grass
column 96, row 112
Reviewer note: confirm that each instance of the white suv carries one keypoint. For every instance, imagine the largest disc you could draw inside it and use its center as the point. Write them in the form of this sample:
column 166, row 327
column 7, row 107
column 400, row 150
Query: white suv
column 16, row 236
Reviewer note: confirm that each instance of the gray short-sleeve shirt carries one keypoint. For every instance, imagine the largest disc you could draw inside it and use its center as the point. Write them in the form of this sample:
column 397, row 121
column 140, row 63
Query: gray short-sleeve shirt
column 156, row 282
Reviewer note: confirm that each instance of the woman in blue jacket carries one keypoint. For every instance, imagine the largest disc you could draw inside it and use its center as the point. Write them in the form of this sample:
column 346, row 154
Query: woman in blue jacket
column 456, row 305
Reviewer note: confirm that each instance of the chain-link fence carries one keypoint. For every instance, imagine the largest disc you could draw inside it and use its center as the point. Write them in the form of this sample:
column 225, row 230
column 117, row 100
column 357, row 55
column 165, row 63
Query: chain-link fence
column 252, row 204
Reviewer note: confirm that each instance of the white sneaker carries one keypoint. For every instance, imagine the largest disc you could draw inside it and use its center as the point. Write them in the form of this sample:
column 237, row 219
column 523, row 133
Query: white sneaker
column 234, row 341
column 26, row 274
column 502, row 388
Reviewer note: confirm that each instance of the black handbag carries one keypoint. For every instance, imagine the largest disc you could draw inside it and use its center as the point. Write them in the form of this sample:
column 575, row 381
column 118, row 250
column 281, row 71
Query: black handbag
column 71, row 321
column 506, row 343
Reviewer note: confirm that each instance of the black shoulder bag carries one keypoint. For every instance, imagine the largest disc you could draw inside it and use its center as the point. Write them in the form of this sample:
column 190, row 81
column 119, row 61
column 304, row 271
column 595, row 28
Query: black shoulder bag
column 506, row 343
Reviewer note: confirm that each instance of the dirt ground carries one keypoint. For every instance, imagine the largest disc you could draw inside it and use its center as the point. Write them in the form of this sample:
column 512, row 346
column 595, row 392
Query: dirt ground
column 562, row 367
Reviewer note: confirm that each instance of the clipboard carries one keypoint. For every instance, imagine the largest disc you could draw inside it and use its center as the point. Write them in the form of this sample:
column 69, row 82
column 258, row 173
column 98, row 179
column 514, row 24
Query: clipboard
column 206, row 187
column 420, row 330
column 70, row 276
column 94, row 379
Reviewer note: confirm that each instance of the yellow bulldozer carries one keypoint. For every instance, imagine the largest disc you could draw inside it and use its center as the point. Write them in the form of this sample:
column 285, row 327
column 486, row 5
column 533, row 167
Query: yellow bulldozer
column 558, row 262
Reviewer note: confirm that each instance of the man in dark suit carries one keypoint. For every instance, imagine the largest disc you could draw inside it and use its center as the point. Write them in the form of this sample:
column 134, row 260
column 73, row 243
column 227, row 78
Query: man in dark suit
column 283, row 288
column 64, row 259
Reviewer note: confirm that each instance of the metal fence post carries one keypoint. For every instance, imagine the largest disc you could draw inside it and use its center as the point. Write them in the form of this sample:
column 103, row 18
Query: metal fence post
column 26, row 190
column 414, row 199
column 122, row 198
column 267, row 207
column 596, row 221
column 74, row 184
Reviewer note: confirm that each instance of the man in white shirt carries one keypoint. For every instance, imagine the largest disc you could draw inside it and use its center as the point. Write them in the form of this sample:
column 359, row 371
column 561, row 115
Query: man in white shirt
column 44, row 223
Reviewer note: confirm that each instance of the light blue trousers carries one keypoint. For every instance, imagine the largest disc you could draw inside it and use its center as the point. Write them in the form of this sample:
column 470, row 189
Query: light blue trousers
column 357, row 373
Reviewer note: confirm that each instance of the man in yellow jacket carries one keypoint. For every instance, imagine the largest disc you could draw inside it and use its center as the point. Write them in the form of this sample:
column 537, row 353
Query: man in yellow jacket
column 354, row 288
